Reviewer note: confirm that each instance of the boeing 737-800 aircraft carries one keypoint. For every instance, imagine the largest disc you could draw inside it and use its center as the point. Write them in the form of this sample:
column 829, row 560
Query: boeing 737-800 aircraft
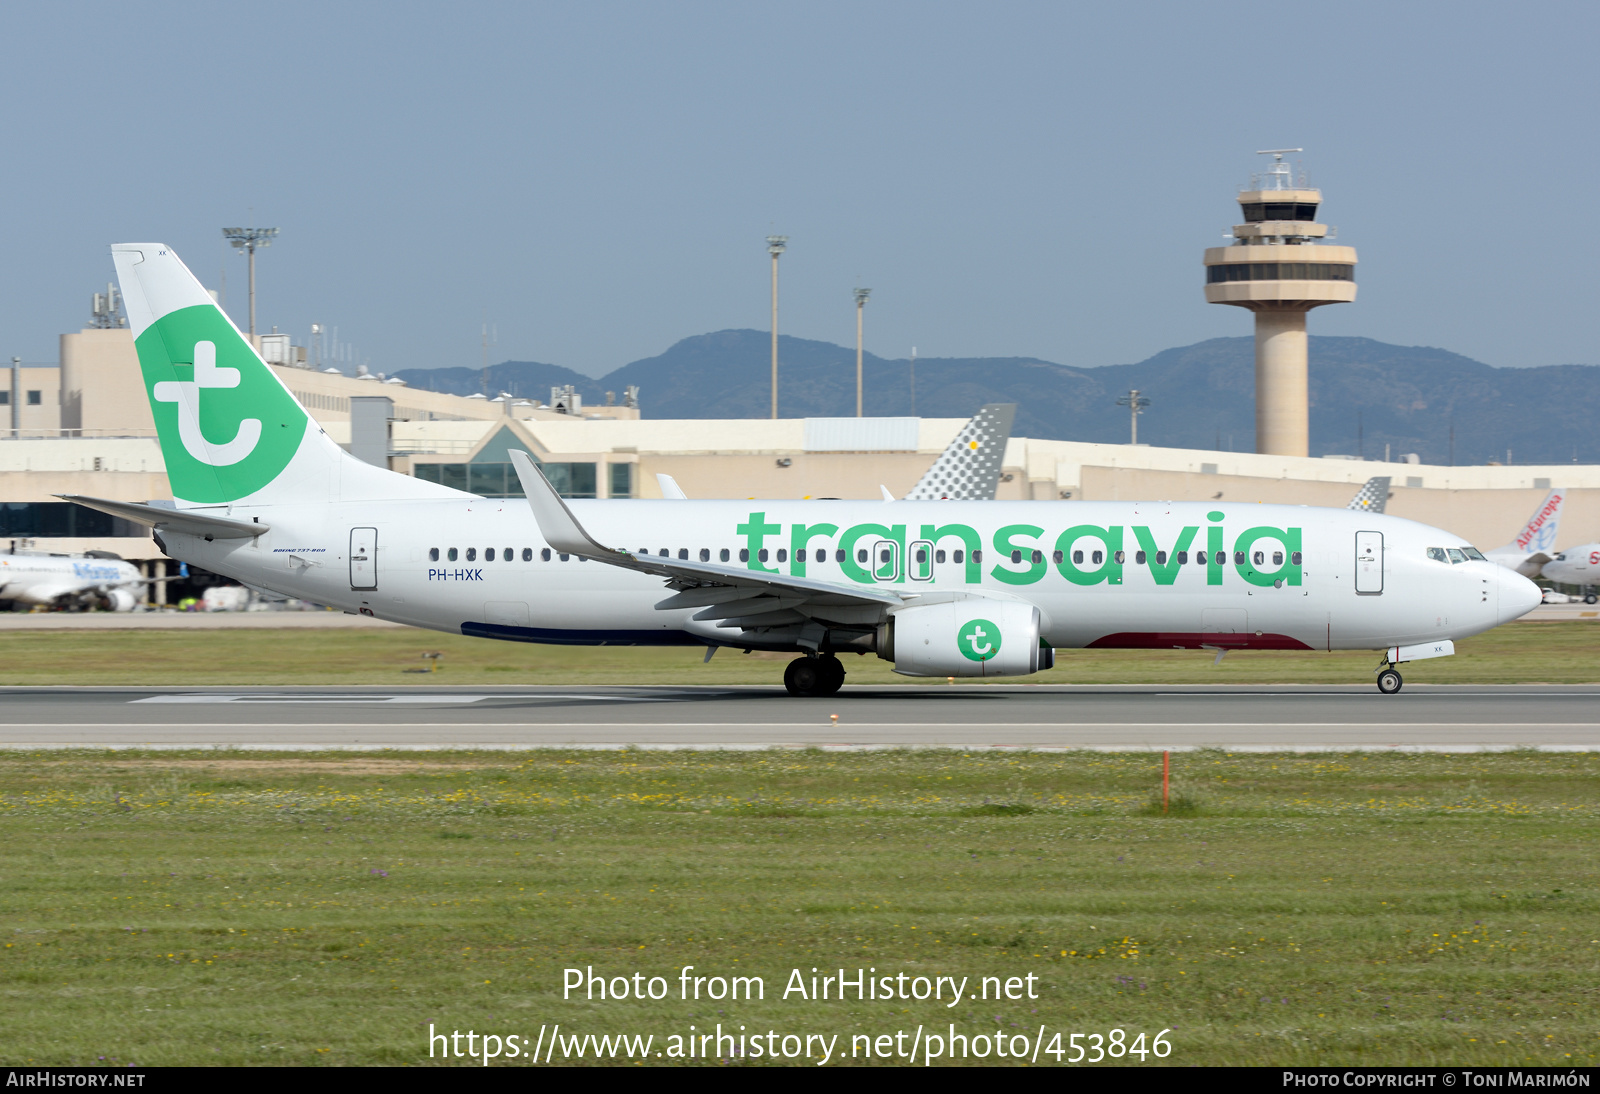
column 940, row 588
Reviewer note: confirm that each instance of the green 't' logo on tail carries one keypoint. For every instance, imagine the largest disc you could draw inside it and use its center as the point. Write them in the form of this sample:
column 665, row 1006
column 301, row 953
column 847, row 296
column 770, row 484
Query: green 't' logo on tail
column 226, row 424
column 978, row 640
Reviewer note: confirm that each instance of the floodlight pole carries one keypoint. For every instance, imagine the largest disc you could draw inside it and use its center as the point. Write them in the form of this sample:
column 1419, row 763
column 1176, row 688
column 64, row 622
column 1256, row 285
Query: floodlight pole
column 861, row 306
column 247, row 240
column 775, row 247
column 1135, row 403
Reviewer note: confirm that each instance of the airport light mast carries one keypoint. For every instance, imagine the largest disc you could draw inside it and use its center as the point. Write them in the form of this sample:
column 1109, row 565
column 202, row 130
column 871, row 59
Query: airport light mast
column 775, row 247
column 1135, row 404
column 1278, row 267
column 861, row 306
column 248, row 240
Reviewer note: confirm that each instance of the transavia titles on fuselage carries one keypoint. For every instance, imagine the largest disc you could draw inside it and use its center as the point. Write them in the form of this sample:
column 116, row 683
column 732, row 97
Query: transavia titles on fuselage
column 940, row 588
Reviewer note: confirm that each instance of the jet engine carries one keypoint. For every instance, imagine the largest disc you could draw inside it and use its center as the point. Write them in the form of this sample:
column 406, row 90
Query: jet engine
column 120, row 600
column 972, row 636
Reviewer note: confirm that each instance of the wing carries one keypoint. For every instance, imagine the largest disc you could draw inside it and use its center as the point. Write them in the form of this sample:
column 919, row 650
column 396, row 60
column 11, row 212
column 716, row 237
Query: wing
column 761, row 607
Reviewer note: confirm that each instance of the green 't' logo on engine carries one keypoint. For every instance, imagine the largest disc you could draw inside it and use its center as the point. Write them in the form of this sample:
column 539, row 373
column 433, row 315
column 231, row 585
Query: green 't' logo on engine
column 227, row 426
column 978, row 640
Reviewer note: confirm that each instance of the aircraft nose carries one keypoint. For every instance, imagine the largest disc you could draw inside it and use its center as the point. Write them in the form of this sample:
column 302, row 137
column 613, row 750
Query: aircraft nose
column 1517, row 595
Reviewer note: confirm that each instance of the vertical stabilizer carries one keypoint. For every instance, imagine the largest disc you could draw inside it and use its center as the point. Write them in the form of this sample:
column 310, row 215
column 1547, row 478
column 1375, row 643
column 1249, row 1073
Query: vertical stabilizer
column 1372, row 497
column 231, row 433
column 969, row 469
column 1538, row 536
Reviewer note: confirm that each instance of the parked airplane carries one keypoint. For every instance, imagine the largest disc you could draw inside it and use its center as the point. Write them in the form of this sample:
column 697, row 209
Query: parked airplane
column 939, row 588
column 91, row 581
column 1577, row 566
column 1535, row 544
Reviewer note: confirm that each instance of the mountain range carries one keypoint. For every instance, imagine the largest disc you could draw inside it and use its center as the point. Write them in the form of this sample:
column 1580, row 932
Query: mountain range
column 1365, row 394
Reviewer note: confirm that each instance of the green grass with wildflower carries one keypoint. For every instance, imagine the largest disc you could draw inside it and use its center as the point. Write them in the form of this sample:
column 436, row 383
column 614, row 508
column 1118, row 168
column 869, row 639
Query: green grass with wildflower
column 1562, row 653
column 234, row 908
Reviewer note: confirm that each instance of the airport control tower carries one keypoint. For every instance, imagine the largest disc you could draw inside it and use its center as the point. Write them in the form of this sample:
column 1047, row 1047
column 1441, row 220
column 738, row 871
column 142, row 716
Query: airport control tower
column 1279, row 267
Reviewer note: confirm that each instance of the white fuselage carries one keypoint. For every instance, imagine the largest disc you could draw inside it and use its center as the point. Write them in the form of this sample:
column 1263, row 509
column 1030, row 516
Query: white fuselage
column 1362, row 581
column 1575, row 566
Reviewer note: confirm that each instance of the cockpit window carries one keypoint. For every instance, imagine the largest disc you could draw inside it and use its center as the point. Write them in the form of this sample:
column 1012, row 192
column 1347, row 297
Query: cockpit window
column 1456, row 556
column 1474, row 554
column 1437, row 554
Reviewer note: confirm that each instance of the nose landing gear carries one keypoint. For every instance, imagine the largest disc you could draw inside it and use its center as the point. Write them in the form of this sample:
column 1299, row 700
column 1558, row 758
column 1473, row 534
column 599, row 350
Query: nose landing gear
column 1389, row 679
column 816, row 677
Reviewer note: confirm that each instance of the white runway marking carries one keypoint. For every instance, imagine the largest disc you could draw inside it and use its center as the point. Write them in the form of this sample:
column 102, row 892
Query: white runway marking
column 210, row 698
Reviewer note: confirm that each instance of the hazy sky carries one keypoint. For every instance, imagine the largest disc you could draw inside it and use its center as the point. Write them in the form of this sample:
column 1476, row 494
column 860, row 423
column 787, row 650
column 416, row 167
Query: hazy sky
column 1029, row 179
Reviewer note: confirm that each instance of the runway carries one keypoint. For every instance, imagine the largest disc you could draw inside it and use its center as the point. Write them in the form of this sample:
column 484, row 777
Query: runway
column 1134, row 717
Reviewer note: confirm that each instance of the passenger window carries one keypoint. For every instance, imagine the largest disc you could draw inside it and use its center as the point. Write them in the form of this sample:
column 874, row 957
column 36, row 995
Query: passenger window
column 1098, row 557
column 472, row 554
column 1077, row 557
column 683, row 553
column 977, row 556
column 433, row 554
column 450, row 554
column 783, row 554
column 527, row 554
column 939, row 556
column 861, row 554
column 508, row 554
column 762, row 554
column 566, row 558
column 1259, row 557
column 1122, row 556
column 744, row 554
column 822, row 556
column 1016, row 556
column 1161, row 558
column 922, row 555
column 1456, row 556
column 723, row 554
column 1277, row 558
column 1238, row 558
column 958, row 555
column 1183, row 558
column 838, row 556
column 1138, row 558
column 1038, row 556
column 544, row 554
column 488, row 555
column 1295, row 558
column 705, row 554
column 1056, row 557
column 1222, row 557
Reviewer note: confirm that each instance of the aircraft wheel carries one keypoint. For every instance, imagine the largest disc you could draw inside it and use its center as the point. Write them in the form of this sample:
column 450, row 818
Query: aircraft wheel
column 831, row 676
column 803, row 676
column 1389, row 681
column 1590, row 598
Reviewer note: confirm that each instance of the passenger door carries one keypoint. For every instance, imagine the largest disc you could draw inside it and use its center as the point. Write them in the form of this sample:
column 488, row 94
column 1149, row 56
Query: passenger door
column 1369, row 563
column 886, row 560
column 363, row 558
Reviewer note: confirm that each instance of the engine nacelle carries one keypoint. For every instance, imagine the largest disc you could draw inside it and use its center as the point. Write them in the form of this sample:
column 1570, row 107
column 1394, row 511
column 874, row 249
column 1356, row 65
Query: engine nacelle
column 973, row 636
column 120, row 600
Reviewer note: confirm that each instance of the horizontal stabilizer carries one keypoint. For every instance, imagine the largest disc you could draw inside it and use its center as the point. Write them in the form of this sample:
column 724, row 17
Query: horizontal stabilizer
column 186, row 521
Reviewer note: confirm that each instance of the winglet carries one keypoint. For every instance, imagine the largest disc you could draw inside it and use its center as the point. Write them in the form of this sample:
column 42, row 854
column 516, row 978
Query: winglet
column 670, row 488
column 559, row 527
column 886, row 495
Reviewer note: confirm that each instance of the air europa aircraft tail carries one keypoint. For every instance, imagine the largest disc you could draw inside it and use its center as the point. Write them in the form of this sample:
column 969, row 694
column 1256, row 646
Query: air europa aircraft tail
column 231, row 433
column 1538, row 536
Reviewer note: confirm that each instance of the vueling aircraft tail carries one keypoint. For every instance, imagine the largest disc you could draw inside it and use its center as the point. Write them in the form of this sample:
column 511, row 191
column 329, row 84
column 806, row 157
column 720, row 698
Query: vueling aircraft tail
column 969, row 469
column 231, row 433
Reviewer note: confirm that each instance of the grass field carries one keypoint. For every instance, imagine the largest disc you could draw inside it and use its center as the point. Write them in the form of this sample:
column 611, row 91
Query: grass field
column 1519, row 653
column 224, row 908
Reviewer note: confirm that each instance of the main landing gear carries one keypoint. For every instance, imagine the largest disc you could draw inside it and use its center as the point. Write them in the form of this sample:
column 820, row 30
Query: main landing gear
column 1389, row 679
column 814, row 676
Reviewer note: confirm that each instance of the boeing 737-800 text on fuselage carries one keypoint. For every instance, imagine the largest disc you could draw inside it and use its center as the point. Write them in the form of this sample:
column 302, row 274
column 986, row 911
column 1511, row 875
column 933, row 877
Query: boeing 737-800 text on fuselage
column 940, row 588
